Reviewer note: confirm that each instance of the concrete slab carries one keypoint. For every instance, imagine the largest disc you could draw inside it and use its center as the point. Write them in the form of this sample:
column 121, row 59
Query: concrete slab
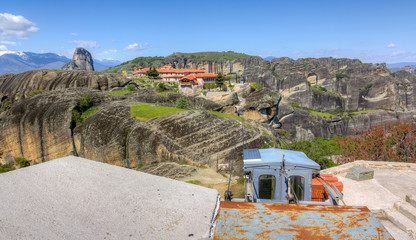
column 75, row 198
column 393, row 184
column 359, row 173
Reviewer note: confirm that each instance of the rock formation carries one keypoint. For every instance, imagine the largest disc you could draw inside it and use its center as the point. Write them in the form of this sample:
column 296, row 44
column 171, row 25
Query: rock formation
column 20, row 86
column 40, row 128
column 355, row 94
column 82, row 60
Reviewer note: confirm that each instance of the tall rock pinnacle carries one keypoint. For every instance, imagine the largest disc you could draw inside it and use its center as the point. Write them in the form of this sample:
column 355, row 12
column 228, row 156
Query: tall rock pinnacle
column 82, row 60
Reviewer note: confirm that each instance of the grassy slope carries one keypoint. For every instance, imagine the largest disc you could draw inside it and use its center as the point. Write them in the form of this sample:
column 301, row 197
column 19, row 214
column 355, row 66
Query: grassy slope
column 144, row 111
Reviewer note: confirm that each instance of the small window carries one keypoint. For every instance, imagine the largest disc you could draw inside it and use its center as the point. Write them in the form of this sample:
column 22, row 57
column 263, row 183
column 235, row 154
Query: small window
column 297, row 187
column 267, row 186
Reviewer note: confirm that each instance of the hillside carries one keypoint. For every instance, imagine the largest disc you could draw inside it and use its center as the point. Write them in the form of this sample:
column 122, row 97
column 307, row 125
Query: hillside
column 178, row 57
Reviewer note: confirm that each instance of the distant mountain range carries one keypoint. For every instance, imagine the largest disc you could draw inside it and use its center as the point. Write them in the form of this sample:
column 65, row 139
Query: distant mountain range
column 394, row 67
column 25, row 61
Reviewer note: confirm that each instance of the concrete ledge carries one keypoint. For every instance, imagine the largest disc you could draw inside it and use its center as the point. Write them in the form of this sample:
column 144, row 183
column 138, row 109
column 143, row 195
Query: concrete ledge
column 406, row 209
column 401, row 221
column 370, row 164
column 411, row 199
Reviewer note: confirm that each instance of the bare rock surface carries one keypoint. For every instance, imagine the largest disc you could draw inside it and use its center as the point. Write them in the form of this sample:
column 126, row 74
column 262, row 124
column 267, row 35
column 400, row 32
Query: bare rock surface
column 82, row 60
column 75, row 198
column 14, row 87
column 40, row 128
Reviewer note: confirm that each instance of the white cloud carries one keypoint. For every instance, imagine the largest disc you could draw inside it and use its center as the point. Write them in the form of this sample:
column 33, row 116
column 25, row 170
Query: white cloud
column 8, row 43
column 4, row 50
column 12, row 26
column 391, row 45
column 137, row 47
column 86, row 44
column 75, row 34
column 397, row 53
column 110, row 51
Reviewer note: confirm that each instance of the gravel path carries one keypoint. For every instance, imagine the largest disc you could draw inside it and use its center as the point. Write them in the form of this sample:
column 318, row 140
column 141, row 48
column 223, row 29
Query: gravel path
column 75, row 198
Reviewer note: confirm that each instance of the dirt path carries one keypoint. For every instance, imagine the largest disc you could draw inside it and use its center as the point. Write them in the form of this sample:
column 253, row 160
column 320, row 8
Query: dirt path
column 208, row 177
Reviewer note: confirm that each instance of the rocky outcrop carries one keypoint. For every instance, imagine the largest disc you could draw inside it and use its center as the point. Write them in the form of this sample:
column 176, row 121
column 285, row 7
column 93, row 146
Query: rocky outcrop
column 20, row 86
column 82, row 60
column 40, row 129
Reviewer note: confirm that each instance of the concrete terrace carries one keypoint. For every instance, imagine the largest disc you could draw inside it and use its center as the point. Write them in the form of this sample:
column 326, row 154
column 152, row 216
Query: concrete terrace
column 75, row 198
column 389, row 195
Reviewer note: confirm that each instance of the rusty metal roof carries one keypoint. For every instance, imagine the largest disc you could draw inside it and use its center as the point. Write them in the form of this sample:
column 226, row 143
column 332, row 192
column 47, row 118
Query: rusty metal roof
column 293, row 221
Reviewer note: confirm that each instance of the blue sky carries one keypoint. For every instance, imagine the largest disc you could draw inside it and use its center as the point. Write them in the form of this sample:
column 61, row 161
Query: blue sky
column 373, row 31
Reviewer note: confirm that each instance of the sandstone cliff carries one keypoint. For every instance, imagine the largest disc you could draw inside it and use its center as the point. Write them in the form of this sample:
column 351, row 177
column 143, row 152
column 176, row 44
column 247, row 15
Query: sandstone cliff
column 82, row 60
column 40, row 129
column 347, row 89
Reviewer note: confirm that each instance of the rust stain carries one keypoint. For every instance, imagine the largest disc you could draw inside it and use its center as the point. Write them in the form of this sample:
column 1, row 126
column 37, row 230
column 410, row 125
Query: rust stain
column 320, row 208
column 237, row 205
column 313, row 233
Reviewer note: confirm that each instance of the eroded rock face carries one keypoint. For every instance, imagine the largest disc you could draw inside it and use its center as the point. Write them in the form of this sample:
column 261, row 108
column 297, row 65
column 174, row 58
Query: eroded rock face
column 82, row 60
column 39, row 129
column 19, row 86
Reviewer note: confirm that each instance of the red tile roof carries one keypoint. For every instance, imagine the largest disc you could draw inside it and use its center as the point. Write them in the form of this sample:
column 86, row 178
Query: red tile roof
column 199, row 75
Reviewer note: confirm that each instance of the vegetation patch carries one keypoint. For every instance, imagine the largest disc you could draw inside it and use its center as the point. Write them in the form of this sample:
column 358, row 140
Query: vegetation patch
column 22, row 162
column 226, row 115
column 7, row 105
column 380, row 142
column 144, row 111
column 182, row 103
column 6, row 167
column 83, row 110
column 196, row 182
column 34, row 93
column 118, row 92
column 341, row 75
column 318, row 150
column 89, row 112
column 131, row 87
column 336, row 113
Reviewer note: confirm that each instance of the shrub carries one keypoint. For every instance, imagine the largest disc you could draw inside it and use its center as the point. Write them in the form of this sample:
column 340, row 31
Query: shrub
column 131, row 87
column 318, row 150
column 161, row 87
column 255, row 86
column 35, row 92
column 85, row 103
column 152, row 72
column 82, row 106
column 7, row 105
column 219, row 80
column 341, row 75
column 6, row 167
column 210, row 85
column 381, row 142
column 182, row 103
column 23, row 162
column 204, row 93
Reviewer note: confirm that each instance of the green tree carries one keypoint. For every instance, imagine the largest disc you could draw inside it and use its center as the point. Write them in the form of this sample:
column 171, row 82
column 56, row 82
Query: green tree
column 219, row 80
column 131, row 87
column 152, row 73
column 161, row 87
column 182, row 103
